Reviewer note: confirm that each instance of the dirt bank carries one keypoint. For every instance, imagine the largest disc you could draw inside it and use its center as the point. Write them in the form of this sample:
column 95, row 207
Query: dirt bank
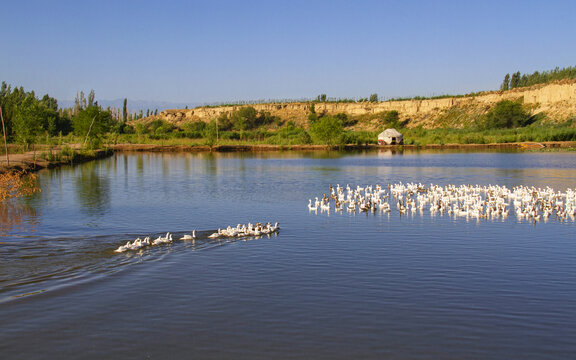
column 31, row 161
column 261, row 148
column 557, row 100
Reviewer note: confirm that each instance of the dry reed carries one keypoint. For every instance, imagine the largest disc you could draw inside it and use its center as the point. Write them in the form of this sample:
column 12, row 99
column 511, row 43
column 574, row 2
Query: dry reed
column 17, row 183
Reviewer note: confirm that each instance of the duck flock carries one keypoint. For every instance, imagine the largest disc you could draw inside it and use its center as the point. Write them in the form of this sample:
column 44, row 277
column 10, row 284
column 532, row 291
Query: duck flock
column 246, row 230
column 469, row 201
column 241, row 230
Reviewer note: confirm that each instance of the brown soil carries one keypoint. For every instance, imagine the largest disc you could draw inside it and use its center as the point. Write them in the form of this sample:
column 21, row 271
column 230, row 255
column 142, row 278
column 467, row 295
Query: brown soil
column 31, row 160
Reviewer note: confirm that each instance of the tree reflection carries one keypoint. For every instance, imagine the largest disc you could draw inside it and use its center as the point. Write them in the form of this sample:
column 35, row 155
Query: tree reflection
column 211, row 163
column 15, row 215
column 92, row 190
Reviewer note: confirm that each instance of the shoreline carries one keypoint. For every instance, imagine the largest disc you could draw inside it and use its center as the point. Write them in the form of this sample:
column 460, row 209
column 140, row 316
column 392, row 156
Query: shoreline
column 31, row 162
column 261, row 148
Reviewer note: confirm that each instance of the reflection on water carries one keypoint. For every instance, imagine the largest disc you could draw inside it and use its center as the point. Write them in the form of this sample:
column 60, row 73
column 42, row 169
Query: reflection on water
column 383, row 153
column 338, row 286
column 17, row 216
column 92, row 189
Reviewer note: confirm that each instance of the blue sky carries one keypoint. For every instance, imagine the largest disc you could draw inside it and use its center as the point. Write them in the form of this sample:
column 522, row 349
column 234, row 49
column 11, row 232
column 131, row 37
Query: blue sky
column 210, row 51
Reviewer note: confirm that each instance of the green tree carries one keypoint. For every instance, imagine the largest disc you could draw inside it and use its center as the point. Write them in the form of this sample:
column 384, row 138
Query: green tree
column 53, row 120
column 312, row 117
column 194, row 129
column 244, row 118
column 10, row 101
column 538, row 77
column 321, row 98
column 345, row 119
column 210, row 133
column 515, row 81
column 91, row 97
column 374, row 98
column 224, row 122
column 506, row 114
column 125, row 111
column 523, row 80
column 7, row 106
column 291, row 135
column 79, row 102
column 327, row 130
column 391, row 119
column 140, row 129
column 49, row 102
column 91, row 123
column 160, row 128
column 506, row 83
column 28, row 121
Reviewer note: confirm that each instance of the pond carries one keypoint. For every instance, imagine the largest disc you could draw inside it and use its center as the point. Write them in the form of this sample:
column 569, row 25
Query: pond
column 335, row 285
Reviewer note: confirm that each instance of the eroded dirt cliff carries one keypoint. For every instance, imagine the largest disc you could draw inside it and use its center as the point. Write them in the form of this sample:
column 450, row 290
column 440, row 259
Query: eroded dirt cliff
column 557, row 100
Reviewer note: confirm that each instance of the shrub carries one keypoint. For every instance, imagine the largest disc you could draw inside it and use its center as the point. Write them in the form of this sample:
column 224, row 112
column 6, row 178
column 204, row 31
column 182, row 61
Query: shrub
column 193, row 130
column 506, row 114
column 327, row 130
column 290, row 135
column 346, row 120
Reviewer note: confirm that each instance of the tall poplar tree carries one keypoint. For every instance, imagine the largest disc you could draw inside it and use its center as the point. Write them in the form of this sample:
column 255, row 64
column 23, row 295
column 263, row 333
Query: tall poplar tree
column 91, row 97
column 515, row 81
column 506, row 83
column 125, row 111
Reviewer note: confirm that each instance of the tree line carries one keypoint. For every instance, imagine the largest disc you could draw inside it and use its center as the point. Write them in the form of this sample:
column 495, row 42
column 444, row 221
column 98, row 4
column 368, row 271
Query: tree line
column 521, row 80
column 320, row 98
column 28, row 118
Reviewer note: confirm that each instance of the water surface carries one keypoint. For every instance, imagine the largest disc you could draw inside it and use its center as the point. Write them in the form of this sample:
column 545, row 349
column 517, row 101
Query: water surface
column 327, row 286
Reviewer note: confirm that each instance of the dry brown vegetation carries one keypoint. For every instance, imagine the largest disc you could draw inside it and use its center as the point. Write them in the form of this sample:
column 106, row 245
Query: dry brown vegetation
column 17, row 183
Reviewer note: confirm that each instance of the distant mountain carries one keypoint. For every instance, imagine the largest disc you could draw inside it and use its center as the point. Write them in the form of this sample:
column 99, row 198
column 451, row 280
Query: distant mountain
column 135, row 105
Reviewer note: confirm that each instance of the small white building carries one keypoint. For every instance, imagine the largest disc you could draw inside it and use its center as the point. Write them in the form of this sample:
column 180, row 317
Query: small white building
column 390, row 137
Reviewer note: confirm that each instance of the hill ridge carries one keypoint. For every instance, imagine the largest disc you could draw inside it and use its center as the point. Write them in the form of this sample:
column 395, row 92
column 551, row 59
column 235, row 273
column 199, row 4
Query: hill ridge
column 557, row 100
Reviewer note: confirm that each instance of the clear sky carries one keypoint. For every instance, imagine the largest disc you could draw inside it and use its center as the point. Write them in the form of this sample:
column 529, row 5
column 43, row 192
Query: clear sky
column 217, row 50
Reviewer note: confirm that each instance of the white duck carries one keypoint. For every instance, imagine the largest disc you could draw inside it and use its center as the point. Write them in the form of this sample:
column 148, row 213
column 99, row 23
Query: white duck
column 188, row 236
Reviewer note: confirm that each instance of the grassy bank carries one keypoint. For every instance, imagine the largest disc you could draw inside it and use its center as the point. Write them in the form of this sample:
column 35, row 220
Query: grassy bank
column 66, row 149
column 473, row 136
column 283, row 138
column 415, row 136
column 31, row 161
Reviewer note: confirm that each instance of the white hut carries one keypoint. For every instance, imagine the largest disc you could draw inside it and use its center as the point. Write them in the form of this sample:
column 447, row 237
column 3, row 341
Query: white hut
column 390, row 137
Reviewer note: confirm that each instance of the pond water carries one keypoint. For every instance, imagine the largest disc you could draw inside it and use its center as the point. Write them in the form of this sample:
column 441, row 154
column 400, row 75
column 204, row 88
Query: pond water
column 334, row 286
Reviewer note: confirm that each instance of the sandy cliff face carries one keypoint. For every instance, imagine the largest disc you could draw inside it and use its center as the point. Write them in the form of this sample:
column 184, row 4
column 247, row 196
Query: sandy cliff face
column 557, row 100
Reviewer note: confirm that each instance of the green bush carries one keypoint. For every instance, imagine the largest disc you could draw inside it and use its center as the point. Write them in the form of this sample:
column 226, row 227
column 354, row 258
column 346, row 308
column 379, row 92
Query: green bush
column 327, row 130
column 360, row 137
column 506, row 114
column 290, row 135
column 193, row 130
